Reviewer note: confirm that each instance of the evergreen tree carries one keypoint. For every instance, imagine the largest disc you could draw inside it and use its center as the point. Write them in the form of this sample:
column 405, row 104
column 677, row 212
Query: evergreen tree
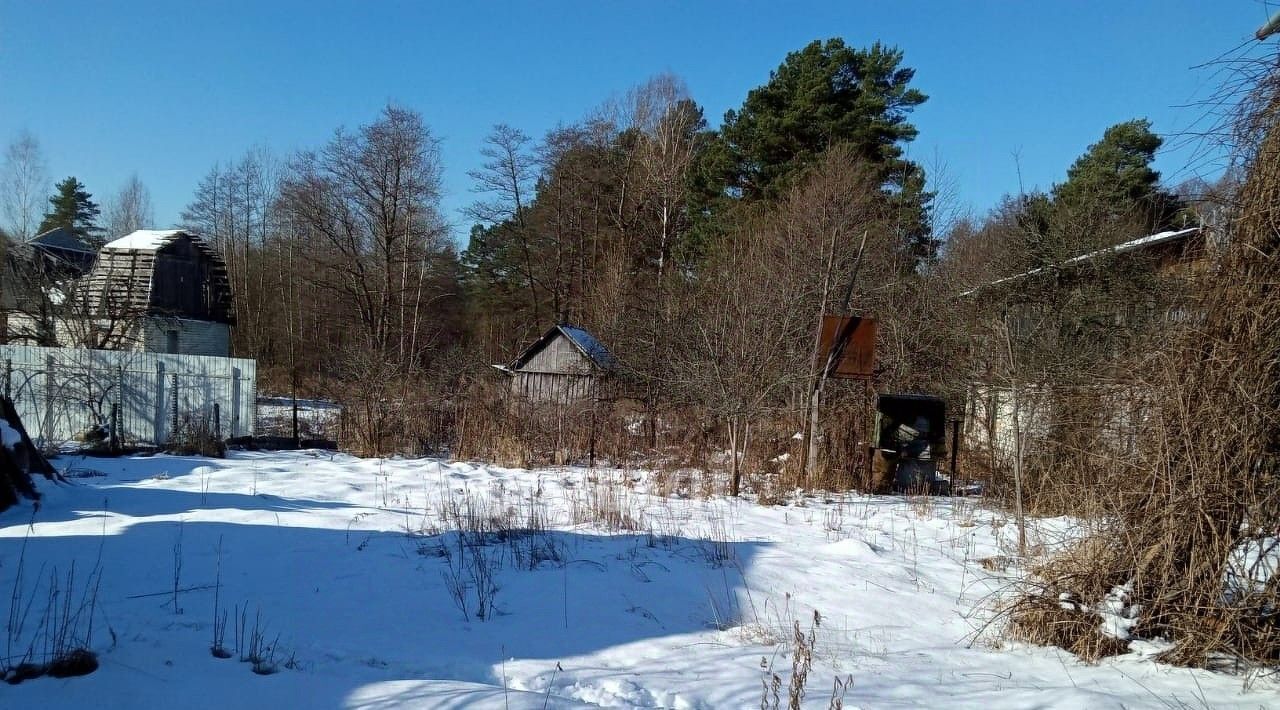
column 1114, row 186
column 1111, row 195
column 824, row 95
column 73, row 208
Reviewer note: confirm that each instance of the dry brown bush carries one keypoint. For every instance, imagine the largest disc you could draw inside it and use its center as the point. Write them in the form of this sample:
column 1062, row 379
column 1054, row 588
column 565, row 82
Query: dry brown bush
column 1046, row 622
column 1205, row 478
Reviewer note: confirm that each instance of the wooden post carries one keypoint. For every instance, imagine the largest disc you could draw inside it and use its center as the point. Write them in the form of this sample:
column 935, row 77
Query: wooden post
column 735, row 475
column 594, row 404
column 872, row 432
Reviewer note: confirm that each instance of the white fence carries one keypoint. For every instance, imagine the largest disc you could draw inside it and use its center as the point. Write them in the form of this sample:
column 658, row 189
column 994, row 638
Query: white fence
column 61, row 393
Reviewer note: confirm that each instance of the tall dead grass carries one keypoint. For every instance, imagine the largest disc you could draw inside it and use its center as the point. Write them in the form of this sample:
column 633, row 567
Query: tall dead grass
column 1203, row 486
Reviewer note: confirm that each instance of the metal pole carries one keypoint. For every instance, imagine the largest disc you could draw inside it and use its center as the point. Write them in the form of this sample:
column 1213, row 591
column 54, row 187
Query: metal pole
column 47, row 428
column 118, row 408
column 157, row 406
column 114, row 442
column 955, row 450
column 173, row 407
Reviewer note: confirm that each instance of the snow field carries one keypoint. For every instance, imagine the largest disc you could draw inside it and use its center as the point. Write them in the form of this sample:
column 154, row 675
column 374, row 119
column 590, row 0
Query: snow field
column 383, row 583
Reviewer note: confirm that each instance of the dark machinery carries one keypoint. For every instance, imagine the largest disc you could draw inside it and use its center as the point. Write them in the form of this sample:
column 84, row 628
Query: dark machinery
column 911, row 438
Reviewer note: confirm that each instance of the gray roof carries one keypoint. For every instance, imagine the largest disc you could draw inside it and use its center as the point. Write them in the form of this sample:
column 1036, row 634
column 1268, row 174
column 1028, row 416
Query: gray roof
column 585, row 342
column 62, row 238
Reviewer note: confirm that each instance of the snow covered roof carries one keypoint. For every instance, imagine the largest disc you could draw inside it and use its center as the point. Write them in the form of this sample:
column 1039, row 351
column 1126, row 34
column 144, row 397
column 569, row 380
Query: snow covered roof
column 1139, row 243
column 144, row 240
column 133, row 276
column 1132, row 245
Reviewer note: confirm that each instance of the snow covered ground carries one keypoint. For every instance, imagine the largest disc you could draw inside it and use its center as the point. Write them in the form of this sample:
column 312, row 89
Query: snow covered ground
column 592, row 592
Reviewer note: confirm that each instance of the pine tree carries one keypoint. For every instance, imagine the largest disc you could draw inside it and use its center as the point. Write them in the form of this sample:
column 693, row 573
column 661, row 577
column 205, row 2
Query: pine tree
column 1111, row 195
column 1113, row 184
column 73, row 208
column 825, row 95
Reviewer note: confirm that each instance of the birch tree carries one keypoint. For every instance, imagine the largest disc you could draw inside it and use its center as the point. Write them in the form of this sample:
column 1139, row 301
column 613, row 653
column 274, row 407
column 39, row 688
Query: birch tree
column 24, row 185
column 129, row 209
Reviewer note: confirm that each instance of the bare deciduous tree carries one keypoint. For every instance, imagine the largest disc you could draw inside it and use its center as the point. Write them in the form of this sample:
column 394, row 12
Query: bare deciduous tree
column 508, row 176
column 129, row 209
column 23, row 185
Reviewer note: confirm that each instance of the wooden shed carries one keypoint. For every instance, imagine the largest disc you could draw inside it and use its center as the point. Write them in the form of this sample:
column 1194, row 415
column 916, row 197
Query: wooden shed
column 566, row 365
column 169, row 286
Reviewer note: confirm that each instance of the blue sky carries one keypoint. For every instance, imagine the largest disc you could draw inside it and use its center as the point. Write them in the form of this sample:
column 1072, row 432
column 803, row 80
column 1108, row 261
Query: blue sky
column 168, row 89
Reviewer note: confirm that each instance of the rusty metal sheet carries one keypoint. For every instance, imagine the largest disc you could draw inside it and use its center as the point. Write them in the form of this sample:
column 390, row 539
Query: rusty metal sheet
column 854, row 340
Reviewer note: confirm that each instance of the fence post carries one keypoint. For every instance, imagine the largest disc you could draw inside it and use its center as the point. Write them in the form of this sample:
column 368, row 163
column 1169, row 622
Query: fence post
column 118, row 407
column 235, row 401
column 114, row 442
column 217, row 421
column 157, row 423
column 173, row 407
column 46, row 432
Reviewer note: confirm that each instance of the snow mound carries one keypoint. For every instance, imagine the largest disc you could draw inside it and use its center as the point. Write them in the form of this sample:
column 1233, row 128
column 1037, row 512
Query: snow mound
column 9, row 437
column 851, row 548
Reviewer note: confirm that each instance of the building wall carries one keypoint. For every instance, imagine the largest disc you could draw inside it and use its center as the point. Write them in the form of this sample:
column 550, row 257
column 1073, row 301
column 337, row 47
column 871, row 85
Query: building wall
column 194, row 337
column 560, row 357
column 559, row 373
column 989, row 424
column 1117, row 415
column 19, row 329
column 550, row 388
column 150, row 334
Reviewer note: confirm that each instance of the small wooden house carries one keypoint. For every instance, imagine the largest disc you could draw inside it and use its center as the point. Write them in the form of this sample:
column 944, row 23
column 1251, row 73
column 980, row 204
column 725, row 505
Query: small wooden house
column 61, row 252
column 565, row 366
column 36, row 277
column 160, row 291
column 1176, row 258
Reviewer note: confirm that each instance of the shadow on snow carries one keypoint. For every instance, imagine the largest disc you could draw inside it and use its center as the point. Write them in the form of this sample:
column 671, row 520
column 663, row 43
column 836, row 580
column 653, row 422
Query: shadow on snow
column 354, row 607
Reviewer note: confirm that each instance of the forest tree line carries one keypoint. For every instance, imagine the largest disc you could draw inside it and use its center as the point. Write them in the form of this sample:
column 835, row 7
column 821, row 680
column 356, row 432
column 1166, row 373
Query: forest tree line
column 703, row 257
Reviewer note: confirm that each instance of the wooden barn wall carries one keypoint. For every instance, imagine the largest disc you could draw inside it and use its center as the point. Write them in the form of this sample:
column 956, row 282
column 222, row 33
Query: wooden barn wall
column 546, row 388
column 560, row 357
column 120, row 283
column 187, row 283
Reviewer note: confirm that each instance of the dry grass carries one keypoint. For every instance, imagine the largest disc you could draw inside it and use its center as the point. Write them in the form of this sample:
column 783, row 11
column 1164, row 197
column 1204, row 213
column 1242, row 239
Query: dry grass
column 1204, row 481
column 1048, row 622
